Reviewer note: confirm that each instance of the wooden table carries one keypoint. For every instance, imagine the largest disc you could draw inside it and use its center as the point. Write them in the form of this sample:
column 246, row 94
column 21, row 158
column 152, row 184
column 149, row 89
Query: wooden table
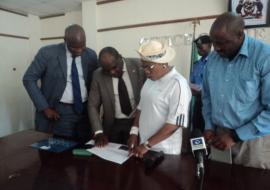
column 26, row 168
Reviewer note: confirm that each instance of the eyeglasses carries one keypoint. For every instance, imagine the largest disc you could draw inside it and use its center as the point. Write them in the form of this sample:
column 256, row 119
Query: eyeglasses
column 148, row 66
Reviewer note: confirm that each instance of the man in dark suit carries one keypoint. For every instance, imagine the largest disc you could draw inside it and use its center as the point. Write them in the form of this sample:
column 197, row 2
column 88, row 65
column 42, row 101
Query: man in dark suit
column 65, row 71
column 115, row 122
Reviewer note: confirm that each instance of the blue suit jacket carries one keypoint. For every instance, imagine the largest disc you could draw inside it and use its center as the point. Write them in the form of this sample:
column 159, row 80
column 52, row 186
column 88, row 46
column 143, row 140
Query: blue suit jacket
column 50, row 66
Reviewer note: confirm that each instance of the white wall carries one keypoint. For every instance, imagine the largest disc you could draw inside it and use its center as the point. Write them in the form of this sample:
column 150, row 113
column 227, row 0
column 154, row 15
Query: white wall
column 141, row 11
column 16, row 108
column 16, row 111
column 55, row 26
column 128, row 12
column 89, row 22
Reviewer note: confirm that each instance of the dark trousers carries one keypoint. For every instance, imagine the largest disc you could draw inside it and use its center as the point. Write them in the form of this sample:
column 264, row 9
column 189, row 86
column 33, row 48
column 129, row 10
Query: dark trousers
column 119, row 132
column 72, row 125
column 197, row 120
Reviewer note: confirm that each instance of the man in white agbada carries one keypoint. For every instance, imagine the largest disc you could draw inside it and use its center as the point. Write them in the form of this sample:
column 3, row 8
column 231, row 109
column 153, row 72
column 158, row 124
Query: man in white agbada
column 164, row 103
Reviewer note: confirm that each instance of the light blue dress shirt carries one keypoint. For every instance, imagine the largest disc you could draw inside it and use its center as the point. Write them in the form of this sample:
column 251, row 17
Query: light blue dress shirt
column 236, row 93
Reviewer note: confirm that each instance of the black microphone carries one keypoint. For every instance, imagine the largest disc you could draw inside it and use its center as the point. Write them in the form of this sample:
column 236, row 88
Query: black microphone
column 199, row 150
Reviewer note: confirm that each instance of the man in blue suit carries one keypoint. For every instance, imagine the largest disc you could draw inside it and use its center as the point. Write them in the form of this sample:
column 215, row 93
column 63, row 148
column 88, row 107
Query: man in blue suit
column 65, row 71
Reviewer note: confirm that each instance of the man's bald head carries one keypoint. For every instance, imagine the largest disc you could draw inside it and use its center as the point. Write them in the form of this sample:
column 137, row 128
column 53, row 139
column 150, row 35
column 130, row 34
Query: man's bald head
column 75, row 39
column 227, row 34
column 230, row 22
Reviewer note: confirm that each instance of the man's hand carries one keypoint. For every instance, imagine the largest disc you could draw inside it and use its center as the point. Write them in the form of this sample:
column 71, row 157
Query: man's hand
column 132, row 142
column 139, row 151
column 209, row 136
column 223, row 142
column 101, row 140
column 51, row 114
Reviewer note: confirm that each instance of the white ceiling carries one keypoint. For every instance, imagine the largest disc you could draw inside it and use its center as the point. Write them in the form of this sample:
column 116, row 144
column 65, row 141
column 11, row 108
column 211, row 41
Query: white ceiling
column 41, row 7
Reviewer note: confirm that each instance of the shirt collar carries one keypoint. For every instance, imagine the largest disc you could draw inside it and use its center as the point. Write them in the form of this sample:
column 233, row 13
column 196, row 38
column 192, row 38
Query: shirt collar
column 244, row 48
column 67, row 51
column 124, row 66
column 168, row 75
column 204, row 59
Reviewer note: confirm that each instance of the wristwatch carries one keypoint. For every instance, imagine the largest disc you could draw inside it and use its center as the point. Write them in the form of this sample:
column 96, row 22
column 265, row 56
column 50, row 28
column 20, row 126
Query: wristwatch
column 147, row 145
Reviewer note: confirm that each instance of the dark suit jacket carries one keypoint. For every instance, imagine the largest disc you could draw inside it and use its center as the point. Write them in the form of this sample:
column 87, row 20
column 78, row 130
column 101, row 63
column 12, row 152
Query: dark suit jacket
column 101, row 94
column 50, row 66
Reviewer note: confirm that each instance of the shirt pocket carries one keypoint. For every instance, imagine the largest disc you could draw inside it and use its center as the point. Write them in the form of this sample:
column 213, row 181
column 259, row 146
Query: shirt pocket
column 247, row 90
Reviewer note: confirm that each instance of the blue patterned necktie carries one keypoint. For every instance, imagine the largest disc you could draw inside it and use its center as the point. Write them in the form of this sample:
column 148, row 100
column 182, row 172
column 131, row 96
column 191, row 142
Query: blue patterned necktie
column 77, row 98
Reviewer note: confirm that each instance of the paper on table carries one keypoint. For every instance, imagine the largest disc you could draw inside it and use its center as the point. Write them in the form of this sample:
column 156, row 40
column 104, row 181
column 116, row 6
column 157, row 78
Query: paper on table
column 112, row 152
column 92, row 142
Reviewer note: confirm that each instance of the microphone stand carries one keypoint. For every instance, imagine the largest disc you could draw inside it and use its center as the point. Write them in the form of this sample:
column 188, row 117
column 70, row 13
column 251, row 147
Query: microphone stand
column 200, row 170
column 201, row 178
column 199, row 149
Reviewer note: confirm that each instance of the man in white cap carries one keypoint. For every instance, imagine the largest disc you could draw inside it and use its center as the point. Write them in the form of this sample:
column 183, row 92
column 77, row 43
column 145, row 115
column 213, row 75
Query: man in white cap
column 164, row 103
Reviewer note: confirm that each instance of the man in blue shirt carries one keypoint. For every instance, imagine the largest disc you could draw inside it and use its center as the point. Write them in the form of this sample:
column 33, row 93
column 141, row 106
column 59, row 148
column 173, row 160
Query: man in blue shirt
column 203, row 43
column 236, row 100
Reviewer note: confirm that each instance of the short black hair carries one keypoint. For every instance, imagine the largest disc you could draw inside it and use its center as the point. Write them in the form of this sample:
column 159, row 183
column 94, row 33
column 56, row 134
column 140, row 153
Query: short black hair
column 74, row 32
column 111, row 51
column 203, row 39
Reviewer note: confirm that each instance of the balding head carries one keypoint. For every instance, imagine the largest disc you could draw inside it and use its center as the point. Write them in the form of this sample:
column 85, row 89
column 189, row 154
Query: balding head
column 227, row 34
column 230, row 22
column 75, row 39
column 111, row 61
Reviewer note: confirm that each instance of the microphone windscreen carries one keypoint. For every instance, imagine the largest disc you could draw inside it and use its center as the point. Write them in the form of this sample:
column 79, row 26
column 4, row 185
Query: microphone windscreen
column 196, row 133
column 197, row 141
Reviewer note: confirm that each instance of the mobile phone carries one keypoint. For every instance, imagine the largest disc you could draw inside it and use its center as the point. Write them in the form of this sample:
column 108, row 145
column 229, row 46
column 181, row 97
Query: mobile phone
column 87, row 146
column 123, row 147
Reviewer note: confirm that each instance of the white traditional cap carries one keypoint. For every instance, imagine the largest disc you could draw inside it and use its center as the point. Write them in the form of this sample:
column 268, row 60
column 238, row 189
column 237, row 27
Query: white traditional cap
column 156, row 51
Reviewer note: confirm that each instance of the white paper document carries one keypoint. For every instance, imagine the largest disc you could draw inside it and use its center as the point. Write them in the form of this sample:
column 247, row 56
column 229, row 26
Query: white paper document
column 112, row 152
